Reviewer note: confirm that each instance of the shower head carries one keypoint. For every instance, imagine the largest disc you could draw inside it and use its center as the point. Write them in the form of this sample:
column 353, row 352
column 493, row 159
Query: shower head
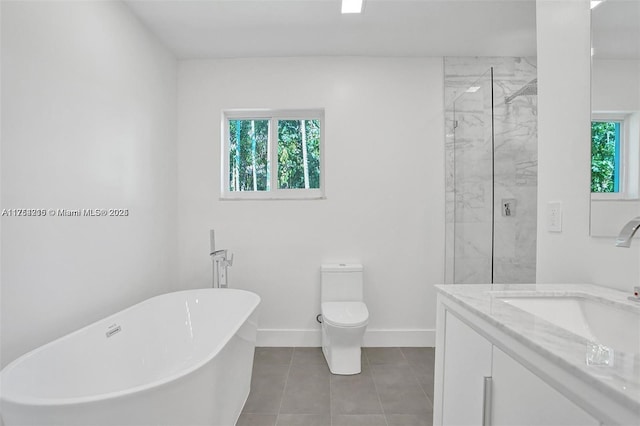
column 531, row 88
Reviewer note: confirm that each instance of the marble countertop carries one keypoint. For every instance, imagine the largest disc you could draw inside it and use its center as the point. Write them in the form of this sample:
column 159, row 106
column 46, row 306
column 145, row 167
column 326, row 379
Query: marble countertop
column 620, row 379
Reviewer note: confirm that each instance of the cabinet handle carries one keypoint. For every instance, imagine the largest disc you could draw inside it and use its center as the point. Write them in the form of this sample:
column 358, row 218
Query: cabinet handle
column 487, row 394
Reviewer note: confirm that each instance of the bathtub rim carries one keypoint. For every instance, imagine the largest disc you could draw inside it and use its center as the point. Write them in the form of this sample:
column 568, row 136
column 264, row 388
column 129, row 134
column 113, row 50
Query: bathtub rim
column 54, row 402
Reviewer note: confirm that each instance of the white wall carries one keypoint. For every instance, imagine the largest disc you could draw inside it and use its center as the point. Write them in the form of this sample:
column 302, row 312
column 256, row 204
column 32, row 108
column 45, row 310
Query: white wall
column 88, row 121
column 564, row 154
column 615, row 85
column 384, row 202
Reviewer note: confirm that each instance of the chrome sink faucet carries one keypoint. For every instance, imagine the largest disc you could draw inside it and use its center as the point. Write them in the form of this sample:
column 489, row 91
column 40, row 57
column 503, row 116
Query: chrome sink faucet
column 627, row 232
column 624, row 240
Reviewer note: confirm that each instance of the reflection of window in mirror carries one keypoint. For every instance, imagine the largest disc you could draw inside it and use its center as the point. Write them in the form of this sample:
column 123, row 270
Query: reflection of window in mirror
column 605, row 156
column 614, row 174
column 615, row 97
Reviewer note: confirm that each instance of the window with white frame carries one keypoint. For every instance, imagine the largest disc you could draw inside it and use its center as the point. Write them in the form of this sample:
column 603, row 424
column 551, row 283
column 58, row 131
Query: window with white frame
column 272, row 154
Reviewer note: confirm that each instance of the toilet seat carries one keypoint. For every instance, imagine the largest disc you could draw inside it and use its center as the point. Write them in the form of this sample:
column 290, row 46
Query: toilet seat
column 345, row 314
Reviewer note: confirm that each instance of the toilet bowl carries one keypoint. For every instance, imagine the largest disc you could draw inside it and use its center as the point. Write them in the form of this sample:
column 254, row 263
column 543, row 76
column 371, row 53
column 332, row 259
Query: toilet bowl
column 344, row 317
column 343, row 327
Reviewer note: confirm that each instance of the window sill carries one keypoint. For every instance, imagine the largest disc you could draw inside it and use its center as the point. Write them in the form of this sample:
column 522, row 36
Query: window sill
column 600, row 197
column 273, row 196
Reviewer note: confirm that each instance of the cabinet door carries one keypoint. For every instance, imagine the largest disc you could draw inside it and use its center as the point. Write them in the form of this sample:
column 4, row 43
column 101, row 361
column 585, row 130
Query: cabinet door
column 522, row 398
column 467, row 361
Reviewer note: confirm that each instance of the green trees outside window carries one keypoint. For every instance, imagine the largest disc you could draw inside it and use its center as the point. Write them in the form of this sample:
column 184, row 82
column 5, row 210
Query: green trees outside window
column 605, row 156
column 250, row 154
column 298, row 154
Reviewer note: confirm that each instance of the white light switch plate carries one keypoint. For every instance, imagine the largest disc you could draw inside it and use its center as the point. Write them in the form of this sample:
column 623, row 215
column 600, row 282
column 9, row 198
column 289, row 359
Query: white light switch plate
column 554, row 217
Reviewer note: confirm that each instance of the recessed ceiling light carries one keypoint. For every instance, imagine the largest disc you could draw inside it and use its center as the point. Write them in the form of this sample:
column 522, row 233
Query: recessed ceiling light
column 352, row 6
column 472, row 89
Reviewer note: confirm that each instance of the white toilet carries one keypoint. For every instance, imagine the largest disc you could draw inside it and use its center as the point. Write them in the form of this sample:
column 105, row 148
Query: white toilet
column 344, row 316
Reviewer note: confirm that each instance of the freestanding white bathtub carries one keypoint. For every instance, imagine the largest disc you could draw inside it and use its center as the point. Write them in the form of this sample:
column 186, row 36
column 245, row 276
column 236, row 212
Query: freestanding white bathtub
column 182, row 358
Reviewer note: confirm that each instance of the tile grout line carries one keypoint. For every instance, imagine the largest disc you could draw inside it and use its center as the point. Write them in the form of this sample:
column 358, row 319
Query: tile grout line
column 286, row 381
column 330, row 392
column 384, row 415
column 415, row 373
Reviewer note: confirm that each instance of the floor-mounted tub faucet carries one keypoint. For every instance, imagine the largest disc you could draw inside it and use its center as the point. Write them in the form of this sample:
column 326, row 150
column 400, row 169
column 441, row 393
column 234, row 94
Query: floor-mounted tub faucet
column 624, row 240
column 222, row 259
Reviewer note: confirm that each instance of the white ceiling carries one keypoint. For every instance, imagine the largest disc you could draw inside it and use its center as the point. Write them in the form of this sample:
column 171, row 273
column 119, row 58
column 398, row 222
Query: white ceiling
column 259, row 28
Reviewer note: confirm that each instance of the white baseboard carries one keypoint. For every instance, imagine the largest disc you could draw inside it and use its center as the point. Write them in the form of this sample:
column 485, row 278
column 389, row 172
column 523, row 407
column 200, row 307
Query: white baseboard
column 372, row 338
column 399, row 337
column 276, row 337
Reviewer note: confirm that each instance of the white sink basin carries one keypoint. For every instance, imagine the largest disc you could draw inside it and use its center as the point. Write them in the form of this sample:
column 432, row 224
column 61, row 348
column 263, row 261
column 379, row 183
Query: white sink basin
column 612, row 325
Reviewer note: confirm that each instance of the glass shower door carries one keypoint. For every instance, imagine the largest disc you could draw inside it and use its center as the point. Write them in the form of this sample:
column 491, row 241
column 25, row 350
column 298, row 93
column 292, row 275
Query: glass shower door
column 491, row 171
column 470, row 192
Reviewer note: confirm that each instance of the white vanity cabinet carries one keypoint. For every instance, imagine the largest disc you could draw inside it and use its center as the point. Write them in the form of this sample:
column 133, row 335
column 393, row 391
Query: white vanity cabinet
column 468, row 362
column 477, row 383
column 519, row 397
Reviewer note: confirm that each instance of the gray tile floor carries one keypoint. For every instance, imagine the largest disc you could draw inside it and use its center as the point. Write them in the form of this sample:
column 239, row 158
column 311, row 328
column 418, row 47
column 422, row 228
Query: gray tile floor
column 293, row 387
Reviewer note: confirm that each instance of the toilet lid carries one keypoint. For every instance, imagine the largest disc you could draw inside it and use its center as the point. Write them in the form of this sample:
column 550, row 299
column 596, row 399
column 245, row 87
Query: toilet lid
column 345, row 314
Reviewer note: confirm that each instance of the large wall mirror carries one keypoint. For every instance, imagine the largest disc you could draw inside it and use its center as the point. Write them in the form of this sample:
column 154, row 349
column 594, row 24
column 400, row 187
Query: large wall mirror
column 615, row 106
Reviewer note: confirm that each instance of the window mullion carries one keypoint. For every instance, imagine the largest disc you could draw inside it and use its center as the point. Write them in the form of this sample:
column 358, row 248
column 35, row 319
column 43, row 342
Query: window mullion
column 617, row 177
column 224, row 152
column 273, row 157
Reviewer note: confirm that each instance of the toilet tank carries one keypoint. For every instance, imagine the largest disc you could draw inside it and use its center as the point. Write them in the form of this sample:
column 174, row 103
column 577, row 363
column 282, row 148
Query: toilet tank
column 341, row 282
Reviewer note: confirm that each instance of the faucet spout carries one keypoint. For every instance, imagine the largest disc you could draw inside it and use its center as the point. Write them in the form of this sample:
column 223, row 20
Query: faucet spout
column 627, row 232
column 219, row 254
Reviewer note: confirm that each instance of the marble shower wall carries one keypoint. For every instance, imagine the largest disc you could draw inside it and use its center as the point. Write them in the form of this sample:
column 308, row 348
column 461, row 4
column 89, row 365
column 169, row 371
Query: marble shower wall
column 469, row 178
